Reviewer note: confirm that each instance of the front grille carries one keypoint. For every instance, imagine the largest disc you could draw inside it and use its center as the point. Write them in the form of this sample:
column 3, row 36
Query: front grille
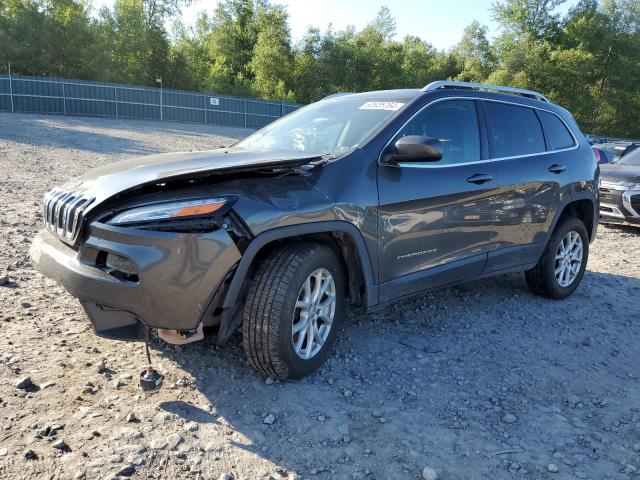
column 63, row 213
column 610, row 196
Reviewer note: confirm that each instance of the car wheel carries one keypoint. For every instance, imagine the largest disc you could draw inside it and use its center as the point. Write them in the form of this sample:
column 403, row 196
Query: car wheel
column 293, row 309
column 562, row 265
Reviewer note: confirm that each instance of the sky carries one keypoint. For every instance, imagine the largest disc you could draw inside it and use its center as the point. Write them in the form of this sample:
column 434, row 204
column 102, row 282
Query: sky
column 438, row 22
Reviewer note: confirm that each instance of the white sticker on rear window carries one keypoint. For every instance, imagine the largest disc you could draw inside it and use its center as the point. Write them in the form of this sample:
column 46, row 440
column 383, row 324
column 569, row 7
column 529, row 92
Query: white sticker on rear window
column 381, row 106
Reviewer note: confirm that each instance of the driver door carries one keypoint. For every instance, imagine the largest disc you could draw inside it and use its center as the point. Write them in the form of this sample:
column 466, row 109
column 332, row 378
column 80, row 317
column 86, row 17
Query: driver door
column 436, row 217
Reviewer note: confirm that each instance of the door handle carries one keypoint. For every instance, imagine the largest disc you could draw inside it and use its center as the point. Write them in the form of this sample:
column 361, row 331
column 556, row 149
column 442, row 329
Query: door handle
column 557, row 168
column 480, row 178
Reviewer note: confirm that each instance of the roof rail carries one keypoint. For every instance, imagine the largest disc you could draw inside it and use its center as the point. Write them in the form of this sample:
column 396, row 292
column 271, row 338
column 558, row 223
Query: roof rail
column 484, row 86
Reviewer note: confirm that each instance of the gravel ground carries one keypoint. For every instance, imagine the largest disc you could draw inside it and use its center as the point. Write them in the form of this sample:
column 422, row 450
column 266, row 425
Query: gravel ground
column 482, row 381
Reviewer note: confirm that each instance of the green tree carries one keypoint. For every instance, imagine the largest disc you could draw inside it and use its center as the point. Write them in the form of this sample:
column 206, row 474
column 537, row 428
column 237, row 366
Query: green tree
column 474, row 54
column 46, row 37
column 272, row 59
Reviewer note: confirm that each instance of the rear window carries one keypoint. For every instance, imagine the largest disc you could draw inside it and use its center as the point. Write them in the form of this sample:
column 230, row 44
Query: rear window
column 558, row 137
column 513, row 130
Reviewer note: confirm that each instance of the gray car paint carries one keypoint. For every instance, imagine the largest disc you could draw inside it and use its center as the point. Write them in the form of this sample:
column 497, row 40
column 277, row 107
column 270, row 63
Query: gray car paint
column 462, row 228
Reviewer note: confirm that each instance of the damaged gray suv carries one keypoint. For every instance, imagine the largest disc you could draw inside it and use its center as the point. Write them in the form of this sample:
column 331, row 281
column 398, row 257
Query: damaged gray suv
column 351, row 202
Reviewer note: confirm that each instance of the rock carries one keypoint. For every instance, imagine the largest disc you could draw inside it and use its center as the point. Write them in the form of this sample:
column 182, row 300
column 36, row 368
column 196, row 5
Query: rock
column 3, row 452
column 131, row 418
column 158, row 444
column 80, row 475
column 30, row 455
column 119, row 383
column 636, row 447
column 429, row 473
column 629, row 469
column 174, row 440
column 190, row 427
column 572, row 401
column 127, row 470
column 225, row 476
column 61, row 445
column 269, row 419
column 553, row 468
column 24, row 383
column 269, row 381
column 509, row 418
column 101, row 367
column 4, row 280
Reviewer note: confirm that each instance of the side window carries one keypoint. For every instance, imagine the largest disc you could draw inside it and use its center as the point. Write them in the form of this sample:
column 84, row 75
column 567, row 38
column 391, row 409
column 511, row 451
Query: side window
column 513, row 130
column 558, row 137
column 455, row 124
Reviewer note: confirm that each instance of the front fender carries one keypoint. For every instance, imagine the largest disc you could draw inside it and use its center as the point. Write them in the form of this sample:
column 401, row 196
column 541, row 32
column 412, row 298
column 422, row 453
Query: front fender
column 230, row 321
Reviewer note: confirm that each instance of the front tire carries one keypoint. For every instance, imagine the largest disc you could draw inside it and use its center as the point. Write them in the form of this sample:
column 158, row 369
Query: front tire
column 562, row 265
column 293, row 309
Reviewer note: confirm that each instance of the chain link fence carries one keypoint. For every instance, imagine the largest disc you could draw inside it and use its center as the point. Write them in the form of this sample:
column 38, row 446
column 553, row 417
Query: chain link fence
column 30, row 94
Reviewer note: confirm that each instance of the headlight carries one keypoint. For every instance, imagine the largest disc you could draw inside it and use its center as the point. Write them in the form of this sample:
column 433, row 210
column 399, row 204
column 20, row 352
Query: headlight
column 169, row 211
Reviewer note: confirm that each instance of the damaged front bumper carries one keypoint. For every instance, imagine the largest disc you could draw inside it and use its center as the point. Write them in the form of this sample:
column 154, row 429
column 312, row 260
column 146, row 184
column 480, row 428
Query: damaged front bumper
column 177, row 276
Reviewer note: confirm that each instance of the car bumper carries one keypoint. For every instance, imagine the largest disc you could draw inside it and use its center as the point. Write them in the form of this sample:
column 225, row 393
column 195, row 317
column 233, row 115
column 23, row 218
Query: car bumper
column 177, row 276
column 620, row 206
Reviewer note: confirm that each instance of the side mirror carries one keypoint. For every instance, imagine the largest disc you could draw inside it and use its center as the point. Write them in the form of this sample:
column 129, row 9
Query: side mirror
column 415, row 148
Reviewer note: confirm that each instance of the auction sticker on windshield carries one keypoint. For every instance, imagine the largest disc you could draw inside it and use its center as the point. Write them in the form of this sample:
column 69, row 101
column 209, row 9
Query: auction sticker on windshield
column 381, row 106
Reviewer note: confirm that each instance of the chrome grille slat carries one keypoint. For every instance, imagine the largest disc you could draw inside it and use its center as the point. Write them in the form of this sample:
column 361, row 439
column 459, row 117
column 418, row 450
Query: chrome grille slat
column 63, row 213
column 66, row 210
column 59, row 213
column 77, row 214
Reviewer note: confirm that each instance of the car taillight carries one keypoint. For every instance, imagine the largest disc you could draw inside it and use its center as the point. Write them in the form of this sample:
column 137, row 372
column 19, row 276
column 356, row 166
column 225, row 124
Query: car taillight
column 596, row 152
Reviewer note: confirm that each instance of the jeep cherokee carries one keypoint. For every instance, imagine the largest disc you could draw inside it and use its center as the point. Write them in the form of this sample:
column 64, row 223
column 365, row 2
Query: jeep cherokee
column 353, row 201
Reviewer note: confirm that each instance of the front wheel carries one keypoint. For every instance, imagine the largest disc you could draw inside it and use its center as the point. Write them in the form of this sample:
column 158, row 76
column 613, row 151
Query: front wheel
column 562, row 265
column 292, row 311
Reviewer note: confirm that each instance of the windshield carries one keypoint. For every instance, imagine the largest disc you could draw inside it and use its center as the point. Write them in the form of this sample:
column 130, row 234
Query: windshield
column 330, row 127
column 632, row 158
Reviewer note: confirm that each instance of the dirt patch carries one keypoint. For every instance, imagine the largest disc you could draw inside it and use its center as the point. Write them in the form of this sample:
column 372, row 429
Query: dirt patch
column 480, row 381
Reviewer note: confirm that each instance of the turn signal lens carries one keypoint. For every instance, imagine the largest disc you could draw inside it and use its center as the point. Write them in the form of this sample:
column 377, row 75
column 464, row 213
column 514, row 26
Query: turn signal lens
column 198, row 209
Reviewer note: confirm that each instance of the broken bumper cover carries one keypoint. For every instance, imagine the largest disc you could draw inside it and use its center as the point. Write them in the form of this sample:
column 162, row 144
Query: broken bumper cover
column 177, row 276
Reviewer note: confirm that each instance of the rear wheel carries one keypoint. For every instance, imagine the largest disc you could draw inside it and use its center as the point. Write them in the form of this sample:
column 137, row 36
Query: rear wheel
column 562, row 265
column 293, row 309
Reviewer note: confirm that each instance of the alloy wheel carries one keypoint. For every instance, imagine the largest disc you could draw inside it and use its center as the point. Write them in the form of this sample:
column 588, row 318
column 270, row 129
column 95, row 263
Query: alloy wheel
column 313, row 314
column 568, row 259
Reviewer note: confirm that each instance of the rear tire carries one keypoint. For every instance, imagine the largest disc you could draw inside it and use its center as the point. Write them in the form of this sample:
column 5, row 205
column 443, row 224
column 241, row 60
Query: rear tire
column 558, row 274
column 276, row 300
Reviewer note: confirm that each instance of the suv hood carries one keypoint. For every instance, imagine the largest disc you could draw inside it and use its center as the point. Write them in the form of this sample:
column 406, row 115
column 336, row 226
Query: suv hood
column 105, row 182
column 619, row 173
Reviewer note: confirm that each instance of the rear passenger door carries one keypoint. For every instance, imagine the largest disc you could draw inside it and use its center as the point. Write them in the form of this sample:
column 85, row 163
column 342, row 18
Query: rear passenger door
column 533, row 178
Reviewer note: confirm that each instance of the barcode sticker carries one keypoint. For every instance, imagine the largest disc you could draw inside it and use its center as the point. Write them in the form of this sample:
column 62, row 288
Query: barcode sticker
column 392, row 106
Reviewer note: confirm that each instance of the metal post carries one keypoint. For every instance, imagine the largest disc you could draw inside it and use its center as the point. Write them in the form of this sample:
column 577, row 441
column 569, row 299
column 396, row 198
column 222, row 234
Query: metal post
column 64, row 99
column 244, row 109
column 115, row 96
column 281, row 108
column 10, row 88
column 159, row 80
column 204, row 110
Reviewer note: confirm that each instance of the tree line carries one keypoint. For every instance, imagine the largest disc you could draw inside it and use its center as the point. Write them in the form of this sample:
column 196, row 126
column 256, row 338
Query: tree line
column 587, row 59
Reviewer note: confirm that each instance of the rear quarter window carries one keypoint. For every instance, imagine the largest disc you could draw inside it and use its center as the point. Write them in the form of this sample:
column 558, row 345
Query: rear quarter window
column 513, row 130
column 558, row 136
